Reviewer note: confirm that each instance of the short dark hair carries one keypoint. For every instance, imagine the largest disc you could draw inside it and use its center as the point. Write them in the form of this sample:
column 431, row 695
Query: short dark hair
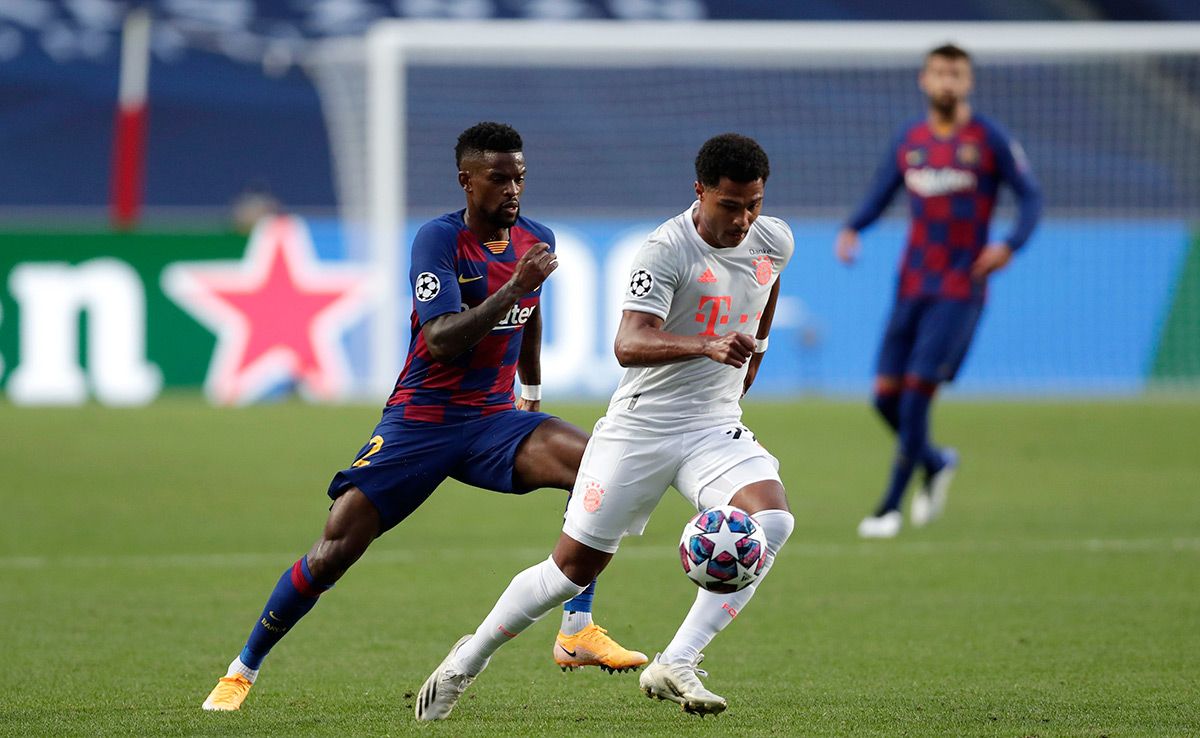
column 731, row 155
column 487, row 136
column 953, row 52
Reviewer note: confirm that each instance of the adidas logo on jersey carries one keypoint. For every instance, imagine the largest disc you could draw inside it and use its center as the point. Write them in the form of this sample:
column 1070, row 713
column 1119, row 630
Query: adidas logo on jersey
column 708, row 277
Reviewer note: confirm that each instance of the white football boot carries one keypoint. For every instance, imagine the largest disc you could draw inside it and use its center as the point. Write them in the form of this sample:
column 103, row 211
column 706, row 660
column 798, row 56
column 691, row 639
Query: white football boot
column 441, row 690
column 929, row 503
column 681, row 683
column 883, row 526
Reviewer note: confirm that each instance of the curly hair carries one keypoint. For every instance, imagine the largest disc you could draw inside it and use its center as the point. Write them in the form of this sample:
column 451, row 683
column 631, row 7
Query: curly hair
column 731, row 155
column 487, row 136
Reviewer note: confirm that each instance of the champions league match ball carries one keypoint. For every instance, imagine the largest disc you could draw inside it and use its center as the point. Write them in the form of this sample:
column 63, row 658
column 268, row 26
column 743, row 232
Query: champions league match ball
column 723, row 549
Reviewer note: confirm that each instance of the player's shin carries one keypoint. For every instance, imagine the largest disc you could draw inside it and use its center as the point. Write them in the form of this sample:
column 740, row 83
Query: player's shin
column 912, row 442
column 294, row 595
column 887, row 404
column 531, row 594
column 711, row 611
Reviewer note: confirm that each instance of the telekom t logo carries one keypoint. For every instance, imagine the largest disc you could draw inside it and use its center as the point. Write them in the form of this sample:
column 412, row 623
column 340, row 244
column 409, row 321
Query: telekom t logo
column 717, row 307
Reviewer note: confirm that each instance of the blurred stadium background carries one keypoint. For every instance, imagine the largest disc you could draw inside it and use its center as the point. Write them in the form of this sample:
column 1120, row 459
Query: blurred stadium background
column 260, row 107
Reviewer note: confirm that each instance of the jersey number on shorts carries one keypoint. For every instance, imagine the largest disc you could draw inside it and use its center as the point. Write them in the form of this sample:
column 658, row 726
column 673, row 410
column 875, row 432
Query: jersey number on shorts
column 376, row 444
column 738, row 431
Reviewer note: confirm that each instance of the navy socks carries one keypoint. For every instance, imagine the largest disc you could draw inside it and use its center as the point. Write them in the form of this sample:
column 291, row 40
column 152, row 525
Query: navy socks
column 294, row 595
column 911, row 447
column 888, row 407
column 581, row 602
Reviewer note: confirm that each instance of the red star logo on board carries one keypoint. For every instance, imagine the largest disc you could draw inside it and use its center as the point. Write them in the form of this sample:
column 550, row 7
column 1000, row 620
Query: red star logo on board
column 279, row 314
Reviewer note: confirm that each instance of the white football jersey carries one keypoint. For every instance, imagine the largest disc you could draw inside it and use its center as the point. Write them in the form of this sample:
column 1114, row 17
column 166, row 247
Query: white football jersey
column 697, row 289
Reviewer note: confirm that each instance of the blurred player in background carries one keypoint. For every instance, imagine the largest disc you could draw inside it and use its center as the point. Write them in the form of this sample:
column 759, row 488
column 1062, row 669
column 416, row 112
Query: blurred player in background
column 952, row 163
column 675, row 419
column 476, row 276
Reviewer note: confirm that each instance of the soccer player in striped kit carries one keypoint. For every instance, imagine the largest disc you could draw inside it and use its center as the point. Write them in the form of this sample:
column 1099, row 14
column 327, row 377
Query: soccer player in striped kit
column 952, row 162
column 476, row 276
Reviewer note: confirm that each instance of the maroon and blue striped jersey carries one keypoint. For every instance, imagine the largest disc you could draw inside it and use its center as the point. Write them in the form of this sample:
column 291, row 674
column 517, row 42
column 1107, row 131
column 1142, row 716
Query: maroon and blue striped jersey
column 952, row 182
column 451, row 271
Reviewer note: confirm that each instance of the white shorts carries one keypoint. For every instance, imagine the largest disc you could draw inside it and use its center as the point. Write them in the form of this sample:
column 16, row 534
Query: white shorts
column 624, row 474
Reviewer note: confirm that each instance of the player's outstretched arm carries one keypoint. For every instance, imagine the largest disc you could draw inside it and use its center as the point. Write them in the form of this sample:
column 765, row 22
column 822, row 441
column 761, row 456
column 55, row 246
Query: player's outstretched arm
column 451, row 334
column 529, row 361
column 760, row 338
column 641, row 341
column 888, row 179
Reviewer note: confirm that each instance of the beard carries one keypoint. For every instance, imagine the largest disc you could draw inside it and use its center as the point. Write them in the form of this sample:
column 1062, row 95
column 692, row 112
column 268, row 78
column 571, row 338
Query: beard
column 944, row 105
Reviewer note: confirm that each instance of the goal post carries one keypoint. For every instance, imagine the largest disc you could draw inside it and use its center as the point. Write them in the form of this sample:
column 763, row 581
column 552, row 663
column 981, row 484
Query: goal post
column 613, row 112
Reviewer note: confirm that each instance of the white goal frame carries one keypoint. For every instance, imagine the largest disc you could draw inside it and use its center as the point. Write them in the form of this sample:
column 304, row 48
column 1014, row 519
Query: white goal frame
column 392, row 44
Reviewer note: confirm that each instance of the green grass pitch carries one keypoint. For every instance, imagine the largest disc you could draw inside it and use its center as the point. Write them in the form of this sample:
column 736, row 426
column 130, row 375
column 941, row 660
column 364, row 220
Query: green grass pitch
column 1060, row 596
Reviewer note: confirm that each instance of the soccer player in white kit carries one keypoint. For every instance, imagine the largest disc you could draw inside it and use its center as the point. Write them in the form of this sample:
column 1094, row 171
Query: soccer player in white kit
column 693, row 331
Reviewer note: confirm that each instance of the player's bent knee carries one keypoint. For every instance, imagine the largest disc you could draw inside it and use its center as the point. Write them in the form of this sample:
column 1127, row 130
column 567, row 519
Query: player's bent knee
column 762, row 495
column 920, row 385
column 577, row 561
column 887, row 385
column 777, row 525
column 353, row 523
column 353, row 515
column 550, row 455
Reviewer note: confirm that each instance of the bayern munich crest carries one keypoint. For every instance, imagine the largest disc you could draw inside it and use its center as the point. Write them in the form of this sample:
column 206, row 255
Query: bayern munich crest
column 593, row 495
column 427, row 286
column 640, row 283
column 763, row 269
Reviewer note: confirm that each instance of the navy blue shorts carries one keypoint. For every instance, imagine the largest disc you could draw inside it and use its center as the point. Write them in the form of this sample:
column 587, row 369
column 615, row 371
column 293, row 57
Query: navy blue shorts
column 406, row 460
column 928, row 338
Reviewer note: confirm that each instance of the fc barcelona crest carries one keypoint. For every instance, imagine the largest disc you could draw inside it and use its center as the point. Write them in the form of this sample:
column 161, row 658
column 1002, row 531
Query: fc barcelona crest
column 967, row 154
column 763, row 269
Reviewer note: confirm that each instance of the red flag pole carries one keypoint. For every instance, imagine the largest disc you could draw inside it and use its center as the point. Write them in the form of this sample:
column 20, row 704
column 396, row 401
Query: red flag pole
column 129, row 138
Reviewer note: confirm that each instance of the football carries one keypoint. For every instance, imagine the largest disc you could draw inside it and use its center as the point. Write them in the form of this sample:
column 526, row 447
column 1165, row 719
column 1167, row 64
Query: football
column 723, row 549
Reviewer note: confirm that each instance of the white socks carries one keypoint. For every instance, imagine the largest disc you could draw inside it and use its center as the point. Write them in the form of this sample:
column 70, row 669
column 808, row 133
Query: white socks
column 531, row 594
column 237, row 667
column 542, row 587
column 573, row 622
column 711, row 612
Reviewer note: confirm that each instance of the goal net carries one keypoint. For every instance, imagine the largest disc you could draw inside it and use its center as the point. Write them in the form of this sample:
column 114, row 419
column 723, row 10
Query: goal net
column 1106, row 297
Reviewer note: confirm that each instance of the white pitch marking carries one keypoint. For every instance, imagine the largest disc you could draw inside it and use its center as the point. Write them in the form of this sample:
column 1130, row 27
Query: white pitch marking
column 640, row 552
